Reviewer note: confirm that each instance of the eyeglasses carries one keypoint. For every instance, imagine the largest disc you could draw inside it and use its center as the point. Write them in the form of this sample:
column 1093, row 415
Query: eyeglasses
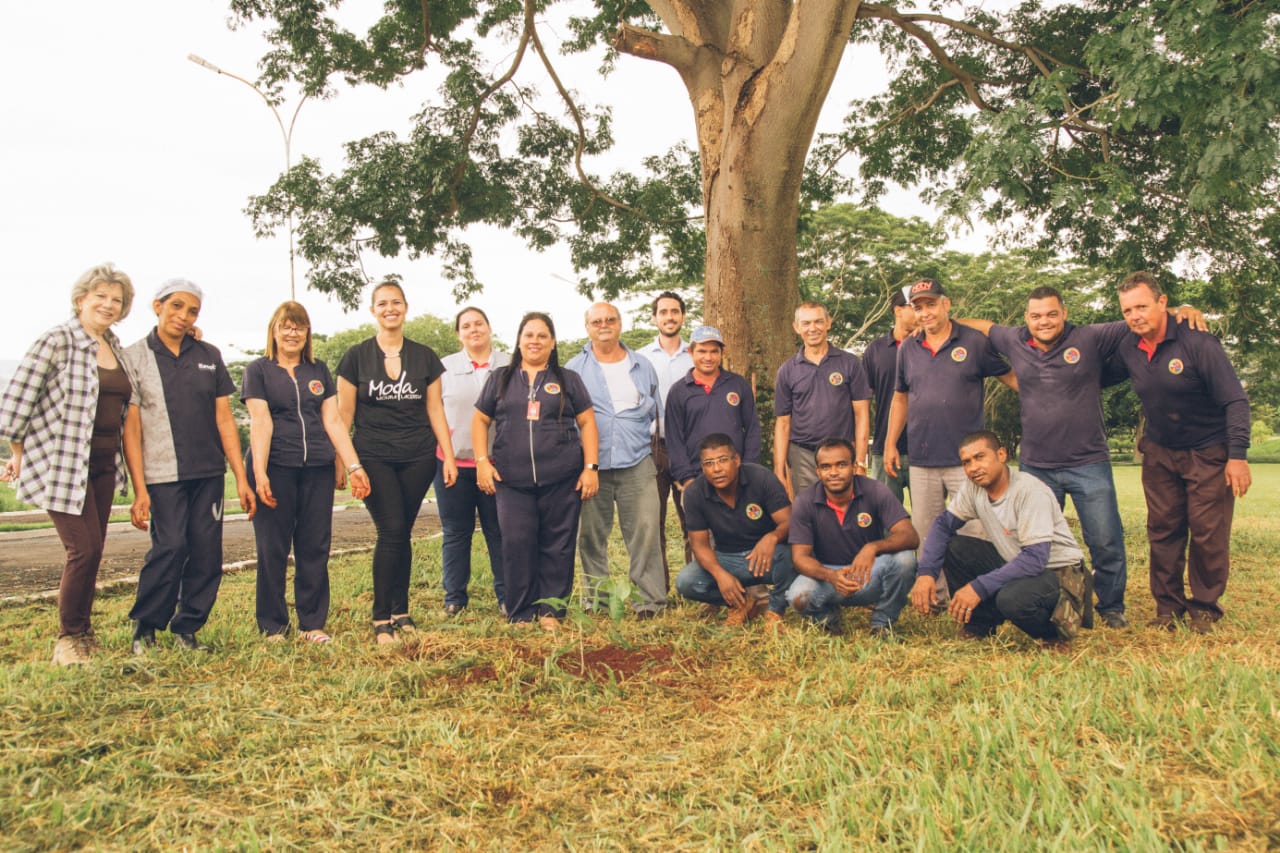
column 717, row 462
column 292, row 331
column 603, row 321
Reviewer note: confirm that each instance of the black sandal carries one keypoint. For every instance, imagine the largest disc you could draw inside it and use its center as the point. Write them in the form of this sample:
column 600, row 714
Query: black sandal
column 404, row 623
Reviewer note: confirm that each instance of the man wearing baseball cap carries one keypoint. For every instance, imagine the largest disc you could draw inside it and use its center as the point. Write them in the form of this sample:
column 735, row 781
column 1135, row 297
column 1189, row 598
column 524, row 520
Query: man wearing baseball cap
column 938, row 399
column 880, row 359
column 706, row 400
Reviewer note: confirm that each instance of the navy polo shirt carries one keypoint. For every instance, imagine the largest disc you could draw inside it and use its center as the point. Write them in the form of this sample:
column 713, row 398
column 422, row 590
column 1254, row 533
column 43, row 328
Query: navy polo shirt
column 944, row 392
column 177, row 396
column 872, row 511
column 819, row 397
column 298, row 438
column 1061, row 392
column 692, row 414
column 880, row 360
column 738, row 528
column 530, row 451
column 1190, row 393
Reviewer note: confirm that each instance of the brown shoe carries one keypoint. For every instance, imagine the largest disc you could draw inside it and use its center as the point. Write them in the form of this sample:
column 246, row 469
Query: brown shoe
column 756, row 601
column 773, row 621
column 1202, row 624
column 69, row 651
column 709, row 611
column 1165, row 622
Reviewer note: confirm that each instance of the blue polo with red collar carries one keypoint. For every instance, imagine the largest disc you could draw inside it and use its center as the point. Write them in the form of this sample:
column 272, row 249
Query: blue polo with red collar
column 880, row 360
column 871, row 512
column 739, row 527
column 1061, row 391
column 1190, row 393
column 945, row 392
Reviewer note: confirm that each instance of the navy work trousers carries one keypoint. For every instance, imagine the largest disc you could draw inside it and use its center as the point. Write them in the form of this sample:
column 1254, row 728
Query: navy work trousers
column 539, row 529
column 302, row 521
column 179, row 580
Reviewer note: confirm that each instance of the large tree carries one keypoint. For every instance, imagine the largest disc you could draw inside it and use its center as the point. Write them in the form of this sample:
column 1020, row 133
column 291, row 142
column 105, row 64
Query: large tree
column 1129, row 132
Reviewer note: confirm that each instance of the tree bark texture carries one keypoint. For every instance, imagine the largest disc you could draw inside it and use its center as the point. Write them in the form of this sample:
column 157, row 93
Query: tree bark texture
column 757, row 73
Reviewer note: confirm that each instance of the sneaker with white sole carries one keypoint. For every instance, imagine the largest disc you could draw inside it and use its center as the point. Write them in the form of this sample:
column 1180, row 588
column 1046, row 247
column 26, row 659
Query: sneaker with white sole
column 70, row 651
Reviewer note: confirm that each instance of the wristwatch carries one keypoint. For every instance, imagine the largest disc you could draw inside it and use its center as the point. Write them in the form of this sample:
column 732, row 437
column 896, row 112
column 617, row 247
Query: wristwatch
column 591, row 466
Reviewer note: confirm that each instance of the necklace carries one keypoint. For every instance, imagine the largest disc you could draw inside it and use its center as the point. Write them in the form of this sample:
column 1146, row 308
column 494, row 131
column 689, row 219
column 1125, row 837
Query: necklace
column 395, row 354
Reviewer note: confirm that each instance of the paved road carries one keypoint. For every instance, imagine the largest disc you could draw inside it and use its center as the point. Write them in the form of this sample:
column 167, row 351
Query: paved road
column 31, row 561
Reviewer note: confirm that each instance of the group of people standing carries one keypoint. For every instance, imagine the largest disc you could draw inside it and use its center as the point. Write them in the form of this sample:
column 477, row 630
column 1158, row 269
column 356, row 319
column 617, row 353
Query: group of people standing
column 543, row 453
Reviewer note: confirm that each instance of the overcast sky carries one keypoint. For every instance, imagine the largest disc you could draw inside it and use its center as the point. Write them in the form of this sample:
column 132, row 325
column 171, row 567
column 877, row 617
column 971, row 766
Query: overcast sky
column 115, row 147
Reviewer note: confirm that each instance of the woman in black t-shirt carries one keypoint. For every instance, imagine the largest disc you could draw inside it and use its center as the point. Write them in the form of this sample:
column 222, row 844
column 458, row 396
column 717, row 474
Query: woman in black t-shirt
column 389, row 386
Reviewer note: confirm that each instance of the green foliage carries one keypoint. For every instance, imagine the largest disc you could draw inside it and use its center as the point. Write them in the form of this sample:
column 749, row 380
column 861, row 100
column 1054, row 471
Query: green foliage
column 425, row 329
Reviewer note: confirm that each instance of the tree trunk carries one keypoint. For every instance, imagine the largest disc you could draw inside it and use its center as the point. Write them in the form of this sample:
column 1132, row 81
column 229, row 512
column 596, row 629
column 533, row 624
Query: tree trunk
column 758, row 73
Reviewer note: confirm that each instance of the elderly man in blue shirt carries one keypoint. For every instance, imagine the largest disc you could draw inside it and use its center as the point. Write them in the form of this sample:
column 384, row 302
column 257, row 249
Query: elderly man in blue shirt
column 624, row 393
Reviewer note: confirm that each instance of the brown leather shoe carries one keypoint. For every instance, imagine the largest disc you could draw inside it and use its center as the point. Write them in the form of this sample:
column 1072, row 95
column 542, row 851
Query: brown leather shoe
column 773, row 621
column 1165, row 622
column 1202, row 624
column 755, row 602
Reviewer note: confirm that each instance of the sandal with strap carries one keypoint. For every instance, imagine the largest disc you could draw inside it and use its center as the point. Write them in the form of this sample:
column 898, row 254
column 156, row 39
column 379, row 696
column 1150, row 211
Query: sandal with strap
column 317, row 636
column 384, row 629
column 404, row 623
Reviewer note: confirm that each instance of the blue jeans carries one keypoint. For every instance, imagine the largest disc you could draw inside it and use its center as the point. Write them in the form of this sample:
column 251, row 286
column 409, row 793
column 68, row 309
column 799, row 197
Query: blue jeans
column 697, row 584
column 1093, row 493
column 892, row 576
column 459, row 505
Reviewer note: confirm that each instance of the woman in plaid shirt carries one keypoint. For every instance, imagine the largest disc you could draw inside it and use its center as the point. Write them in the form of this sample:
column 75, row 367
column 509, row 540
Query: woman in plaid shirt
column 62, row 415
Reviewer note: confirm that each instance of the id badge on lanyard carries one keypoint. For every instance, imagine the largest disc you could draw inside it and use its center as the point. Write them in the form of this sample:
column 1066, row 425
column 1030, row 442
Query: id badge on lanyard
column 534, row 410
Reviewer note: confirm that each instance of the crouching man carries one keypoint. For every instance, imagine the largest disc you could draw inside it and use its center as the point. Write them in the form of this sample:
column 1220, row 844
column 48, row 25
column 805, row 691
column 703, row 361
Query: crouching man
column 746, row 508
column 852, row 544
column 1031, row 573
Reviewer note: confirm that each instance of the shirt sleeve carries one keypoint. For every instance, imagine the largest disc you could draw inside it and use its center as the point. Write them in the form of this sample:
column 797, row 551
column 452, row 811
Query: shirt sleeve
column 1003, row 338
column 858, row 380
column 935, row 544
column 579, row 396
column 28, row 383
column 775, row 494
column 992, row 362
column 1225, row 390
column 694, row 517
column 677, row 457
column 225, row 387
column 326, row 378
column 801, row 531
column 887, row 508
column 902, row 381
column 487, row 402
column 1031, row 561
column 252, row 386
column 349, row 365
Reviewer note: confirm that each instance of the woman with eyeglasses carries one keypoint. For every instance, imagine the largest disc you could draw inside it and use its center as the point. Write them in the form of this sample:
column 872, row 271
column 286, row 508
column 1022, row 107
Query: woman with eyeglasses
column 294, row 430
column 389, row 387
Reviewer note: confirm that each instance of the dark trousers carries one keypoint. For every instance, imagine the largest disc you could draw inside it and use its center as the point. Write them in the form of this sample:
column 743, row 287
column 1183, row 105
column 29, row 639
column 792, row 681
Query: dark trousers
column 179, row 580
column 459, row 505
column 396, row 490
column 663, row 463
column 302, row 520
column 539, row 528
column 83, row 537
column 1188, row 499
column 1026, row 602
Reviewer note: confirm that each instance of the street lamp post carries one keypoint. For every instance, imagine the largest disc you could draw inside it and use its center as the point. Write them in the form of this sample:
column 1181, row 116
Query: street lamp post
column 285, row 134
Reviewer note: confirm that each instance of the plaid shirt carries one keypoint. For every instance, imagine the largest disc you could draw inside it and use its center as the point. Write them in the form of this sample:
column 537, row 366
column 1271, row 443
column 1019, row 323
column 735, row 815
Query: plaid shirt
column 49, row 408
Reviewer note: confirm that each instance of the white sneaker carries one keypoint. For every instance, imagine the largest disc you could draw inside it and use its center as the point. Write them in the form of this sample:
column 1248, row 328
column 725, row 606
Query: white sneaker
column 70, row 651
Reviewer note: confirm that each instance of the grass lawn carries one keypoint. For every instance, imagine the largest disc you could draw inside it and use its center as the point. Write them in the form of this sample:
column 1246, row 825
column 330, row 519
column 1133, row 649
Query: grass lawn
column 674, row 734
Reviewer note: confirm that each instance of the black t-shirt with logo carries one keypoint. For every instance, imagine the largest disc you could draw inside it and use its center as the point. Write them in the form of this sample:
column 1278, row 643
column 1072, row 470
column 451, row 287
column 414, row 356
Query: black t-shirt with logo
column 391, row 422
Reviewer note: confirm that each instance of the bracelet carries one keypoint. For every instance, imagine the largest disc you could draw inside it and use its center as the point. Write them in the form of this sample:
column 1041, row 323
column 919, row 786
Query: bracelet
column 351, row 469
column 480, row 459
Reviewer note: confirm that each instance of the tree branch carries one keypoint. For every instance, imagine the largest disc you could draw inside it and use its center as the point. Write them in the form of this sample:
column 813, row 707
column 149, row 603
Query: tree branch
column 908, row 25
column 675, row 51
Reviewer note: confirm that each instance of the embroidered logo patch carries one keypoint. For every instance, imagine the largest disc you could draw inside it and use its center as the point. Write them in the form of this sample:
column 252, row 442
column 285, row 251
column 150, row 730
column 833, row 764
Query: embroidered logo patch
column 1175, row 366
column 552, row 388
column 959, row 354
column 754, row 512
column 864, row 519
column 1071, row 356
column 732, row 398
column 921, row 285
column 835, row 379
column 316, row 387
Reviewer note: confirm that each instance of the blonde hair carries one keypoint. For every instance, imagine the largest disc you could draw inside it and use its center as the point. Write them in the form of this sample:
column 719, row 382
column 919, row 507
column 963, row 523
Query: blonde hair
column 103, row 274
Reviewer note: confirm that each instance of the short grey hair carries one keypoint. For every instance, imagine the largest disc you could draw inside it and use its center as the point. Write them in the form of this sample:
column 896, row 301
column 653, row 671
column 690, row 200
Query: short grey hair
column 102, row 274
